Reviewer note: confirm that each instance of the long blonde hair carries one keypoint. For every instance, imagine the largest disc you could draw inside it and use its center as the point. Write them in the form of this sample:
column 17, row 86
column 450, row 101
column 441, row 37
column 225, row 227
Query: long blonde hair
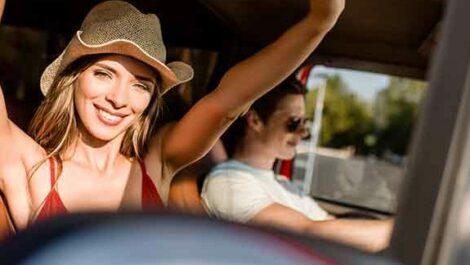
column 54, row 125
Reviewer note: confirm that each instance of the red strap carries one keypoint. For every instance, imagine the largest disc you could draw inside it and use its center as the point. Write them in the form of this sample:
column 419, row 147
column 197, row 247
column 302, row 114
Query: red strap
column 53, row 204
column 150, row 198
column 52, row 170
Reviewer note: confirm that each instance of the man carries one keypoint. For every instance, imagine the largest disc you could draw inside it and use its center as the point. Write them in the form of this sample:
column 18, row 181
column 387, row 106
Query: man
column 245, row 189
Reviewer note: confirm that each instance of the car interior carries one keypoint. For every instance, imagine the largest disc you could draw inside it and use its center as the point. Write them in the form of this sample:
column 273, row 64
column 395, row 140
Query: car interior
column 417, row 39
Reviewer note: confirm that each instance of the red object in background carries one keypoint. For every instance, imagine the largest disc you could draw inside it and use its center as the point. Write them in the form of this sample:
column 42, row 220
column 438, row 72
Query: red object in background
column 304, row 73
column 286, row 167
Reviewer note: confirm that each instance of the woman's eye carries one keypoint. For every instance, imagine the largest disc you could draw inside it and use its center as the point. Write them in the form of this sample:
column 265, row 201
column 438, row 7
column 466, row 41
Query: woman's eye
column 102, row 74
column 143, row 87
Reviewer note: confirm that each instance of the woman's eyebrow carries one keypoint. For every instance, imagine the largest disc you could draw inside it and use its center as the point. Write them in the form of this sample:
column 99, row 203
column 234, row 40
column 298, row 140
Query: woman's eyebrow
column 104, row 66
column 146, row 78
column 140, row 77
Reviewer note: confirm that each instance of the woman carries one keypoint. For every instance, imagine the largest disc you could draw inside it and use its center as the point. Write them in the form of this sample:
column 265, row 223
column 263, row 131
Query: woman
column 245, row 188
column 90, row 146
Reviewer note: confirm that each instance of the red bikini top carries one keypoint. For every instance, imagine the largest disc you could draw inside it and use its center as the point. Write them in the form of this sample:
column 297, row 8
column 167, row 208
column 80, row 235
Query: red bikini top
column 54, row 206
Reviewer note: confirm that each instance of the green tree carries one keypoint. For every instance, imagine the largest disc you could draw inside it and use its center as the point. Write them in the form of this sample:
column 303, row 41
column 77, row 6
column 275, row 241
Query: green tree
column 346, row 120
column 395, row 112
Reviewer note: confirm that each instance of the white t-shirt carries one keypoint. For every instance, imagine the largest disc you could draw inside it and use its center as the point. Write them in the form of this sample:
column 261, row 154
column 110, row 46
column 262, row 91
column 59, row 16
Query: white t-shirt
column 237, row 192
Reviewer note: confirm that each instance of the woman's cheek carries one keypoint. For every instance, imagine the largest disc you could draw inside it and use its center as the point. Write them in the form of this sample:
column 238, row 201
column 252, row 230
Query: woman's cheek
column 89, row 87
column 140, row 102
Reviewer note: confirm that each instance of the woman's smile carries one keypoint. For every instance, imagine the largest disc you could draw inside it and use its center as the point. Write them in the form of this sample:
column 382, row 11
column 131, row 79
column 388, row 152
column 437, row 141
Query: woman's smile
column 108, row 117
column 111, row 94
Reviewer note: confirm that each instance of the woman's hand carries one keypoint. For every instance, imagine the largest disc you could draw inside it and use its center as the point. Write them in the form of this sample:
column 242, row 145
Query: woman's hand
column 324, row 13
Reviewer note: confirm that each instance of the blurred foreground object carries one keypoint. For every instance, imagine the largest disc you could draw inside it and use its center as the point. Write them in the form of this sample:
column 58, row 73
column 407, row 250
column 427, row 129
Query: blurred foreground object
column 167, row 239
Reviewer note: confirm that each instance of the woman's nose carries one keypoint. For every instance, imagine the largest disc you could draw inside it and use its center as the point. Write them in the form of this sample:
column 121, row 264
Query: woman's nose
column 118, row 96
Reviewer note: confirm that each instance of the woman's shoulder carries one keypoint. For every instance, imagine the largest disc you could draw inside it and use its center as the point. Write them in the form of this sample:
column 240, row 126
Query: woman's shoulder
column 21, row 153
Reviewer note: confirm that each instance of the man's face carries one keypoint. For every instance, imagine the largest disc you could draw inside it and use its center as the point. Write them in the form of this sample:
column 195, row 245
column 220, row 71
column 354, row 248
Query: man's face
column 278, row 133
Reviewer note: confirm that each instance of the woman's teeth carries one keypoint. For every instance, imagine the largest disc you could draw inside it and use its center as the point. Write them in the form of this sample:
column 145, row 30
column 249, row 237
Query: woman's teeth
column 109, row 117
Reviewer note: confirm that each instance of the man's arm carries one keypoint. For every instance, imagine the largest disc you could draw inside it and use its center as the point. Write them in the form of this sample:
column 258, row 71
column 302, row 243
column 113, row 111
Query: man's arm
column 369, row 235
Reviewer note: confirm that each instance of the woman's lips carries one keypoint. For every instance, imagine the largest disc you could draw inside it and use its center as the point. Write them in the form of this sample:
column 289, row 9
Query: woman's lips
column 110, row 119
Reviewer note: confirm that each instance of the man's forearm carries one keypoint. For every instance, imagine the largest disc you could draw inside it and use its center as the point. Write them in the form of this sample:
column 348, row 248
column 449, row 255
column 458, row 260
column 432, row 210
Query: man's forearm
column 369, row 235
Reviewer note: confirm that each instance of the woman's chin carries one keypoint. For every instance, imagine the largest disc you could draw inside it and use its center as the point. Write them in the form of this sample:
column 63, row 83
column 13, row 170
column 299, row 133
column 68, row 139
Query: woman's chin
column 104, row 135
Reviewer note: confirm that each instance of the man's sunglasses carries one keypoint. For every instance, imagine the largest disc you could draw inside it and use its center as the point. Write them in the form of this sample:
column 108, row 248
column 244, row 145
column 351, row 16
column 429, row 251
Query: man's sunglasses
column 295, row 124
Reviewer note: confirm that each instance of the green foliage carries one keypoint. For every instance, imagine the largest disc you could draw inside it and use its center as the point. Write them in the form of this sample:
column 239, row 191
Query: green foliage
column 346, row 120
column 395, row 112
column 349, row 121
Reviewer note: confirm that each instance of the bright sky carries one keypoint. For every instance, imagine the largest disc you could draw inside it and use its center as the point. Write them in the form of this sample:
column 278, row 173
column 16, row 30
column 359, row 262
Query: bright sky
column 364, row 84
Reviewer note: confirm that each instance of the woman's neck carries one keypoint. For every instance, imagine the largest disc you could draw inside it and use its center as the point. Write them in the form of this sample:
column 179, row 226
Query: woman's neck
column 102, row 156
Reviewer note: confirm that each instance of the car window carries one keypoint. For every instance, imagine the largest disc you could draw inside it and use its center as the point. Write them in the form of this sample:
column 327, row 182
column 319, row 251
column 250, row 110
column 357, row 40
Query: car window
column 361, row 126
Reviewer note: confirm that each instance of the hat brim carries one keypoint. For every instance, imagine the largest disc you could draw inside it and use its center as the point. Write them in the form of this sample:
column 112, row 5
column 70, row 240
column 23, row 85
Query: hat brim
column 172, row 74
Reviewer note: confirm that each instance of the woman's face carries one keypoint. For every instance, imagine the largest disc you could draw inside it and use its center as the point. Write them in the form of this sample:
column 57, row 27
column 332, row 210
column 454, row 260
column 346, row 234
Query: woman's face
column 111, row 94
column 278, row 134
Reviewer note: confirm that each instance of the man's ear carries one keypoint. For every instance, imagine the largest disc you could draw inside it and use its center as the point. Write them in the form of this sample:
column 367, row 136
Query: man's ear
column 253, row 120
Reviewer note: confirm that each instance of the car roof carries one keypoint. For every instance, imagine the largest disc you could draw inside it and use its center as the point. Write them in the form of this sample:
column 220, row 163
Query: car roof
column 393, row 37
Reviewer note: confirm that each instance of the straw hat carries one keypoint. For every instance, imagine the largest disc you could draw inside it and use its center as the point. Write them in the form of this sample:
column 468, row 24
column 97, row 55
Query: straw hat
column 117, row 27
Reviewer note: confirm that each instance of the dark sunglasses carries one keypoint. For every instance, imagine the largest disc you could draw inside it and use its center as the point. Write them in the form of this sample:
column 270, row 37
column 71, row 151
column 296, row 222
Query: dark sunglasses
column 295, row 124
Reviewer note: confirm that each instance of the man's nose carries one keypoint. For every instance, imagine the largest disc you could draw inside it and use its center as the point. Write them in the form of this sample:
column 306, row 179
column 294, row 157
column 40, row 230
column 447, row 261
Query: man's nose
column 304, row 130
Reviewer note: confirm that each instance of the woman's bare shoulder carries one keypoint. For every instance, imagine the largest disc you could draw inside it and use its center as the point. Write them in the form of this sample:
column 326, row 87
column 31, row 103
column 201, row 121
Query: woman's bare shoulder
column 30, row 151
column 19, row 152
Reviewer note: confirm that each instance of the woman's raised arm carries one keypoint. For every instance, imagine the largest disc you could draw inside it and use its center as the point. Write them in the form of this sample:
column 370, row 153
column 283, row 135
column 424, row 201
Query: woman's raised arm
column 193, row 136
column 3, row 110
column 15, row 144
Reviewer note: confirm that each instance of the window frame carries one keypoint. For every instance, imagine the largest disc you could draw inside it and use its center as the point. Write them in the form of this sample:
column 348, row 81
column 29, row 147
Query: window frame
column 422, row 217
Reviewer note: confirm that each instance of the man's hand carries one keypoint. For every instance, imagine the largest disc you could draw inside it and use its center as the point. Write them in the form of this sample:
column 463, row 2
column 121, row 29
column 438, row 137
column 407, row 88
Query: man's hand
column 368, row 235
column 325, row 13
